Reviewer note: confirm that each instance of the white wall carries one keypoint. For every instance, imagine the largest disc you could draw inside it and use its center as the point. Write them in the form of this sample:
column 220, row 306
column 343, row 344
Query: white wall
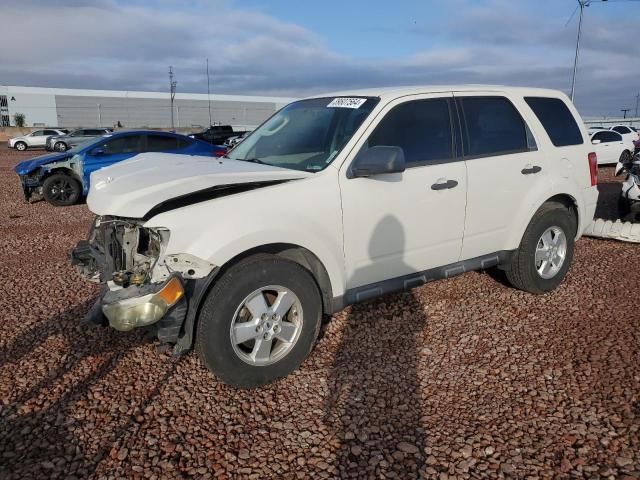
column 39, row 108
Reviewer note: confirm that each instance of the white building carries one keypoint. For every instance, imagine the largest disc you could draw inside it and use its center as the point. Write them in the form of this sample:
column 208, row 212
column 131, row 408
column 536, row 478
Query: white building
column 62, row 107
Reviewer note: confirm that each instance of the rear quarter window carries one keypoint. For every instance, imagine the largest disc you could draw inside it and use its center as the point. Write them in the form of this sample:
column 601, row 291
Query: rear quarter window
column 557, row 120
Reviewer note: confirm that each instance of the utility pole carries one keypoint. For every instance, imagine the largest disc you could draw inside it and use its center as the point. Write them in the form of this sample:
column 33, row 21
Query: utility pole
column 581, row 4
column 99, row 116
column 624, row 112
column 172, row 87
column 637, row 102
column 209, row 93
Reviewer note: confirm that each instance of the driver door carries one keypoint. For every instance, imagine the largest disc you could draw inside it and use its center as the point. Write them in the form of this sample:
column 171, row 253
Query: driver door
column 111, row 151
column 401, row 223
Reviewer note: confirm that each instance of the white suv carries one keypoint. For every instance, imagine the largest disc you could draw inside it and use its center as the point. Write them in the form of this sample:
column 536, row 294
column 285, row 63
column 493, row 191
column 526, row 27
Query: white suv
column 332, row 201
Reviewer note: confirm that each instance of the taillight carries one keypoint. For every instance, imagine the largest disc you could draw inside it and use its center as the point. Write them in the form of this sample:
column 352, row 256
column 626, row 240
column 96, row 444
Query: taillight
column 593, row 168
column 218, row 153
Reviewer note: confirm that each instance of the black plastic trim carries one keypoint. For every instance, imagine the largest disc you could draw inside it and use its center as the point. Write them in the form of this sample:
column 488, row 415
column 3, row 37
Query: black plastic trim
column 407, row 282
column 206, row 194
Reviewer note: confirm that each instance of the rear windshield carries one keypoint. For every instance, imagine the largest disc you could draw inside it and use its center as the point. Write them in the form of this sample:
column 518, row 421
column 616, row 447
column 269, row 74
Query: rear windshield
column 557, row 120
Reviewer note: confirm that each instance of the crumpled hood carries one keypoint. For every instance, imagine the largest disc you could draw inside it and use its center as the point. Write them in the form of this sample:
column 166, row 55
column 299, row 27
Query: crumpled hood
column 28, row 166
column 133, row 187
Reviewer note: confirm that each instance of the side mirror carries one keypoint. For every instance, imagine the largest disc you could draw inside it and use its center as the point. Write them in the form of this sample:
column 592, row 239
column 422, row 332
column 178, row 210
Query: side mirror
column 97, row 151
column 595, row 142
column 379, row 160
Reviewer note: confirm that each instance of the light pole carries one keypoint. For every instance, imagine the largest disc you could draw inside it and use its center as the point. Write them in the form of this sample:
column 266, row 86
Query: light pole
column 582, row 4
column 172, row 88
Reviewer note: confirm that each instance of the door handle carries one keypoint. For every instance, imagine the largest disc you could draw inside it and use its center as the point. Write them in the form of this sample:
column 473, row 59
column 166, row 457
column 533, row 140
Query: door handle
column 529, row 170
column 444, row 185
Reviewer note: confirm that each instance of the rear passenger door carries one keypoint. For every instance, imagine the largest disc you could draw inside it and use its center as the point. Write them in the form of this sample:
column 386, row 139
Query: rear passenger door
column 503, row 164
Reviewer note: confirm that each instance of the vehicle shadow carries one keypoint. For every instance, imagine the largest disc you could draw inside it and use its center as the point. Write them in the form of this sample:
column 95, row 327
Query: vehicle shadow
column 40, row 433
column 607, row 207
column 379, row 433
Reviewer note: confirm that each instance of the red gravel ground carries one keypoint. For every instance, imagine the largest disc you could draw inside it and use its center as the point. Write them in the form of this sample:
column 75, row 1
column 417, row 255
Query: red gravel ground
column 464, row 378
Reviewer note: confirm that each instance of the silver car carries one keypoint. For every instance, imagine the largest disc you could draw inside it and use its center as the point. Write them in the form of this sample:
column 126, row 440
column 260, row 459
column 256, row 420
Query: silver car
column 62, row 143
column 34, row 139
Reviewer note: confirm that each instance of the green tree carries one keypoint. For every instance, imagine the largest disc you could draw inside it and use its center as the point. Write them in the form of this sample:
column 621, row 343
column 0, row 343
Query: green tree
column 19, row 119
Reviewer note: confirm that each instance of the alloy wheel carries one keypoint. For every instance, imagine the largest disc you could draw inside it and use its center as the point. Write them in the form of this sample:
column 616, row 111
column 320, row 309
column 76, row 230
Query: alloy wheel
column 266, row 325
column 551, row 251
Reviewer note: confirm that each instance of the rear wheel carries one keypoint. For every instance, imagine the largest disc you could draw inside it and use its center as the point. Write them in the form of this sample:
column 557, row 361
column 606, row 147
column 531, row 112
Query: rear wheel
column 61, row 190
column 21, row 146
column 259, row 322
column 60, row 147
column 541, row 262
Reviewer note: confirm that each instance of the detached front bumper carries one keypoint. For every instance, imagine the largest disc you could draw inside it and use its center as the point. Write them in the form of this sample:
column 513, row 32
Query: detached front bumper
column 166, row 303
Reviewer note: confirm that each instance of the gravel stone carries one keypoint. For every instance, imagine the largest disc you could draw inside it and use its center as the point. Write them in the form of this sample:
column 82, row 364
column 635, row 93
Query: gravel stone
column 463, row 378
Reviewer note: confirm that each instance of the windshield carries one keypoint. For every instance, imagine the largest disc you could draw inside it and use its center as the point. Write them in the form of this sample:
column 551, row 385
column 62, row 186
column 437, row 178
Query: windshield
column 305, row 135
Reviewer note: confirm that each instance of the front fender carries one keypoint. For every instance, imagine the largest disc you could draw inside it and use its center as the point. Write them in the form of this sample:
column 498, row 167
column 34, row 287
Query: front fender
column 296, row 213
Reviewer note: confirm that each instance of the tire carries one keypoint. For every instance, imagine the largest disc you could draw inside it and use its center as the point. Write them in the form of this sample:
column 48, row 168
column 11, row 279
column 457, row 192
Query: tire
column 60, row 147
column 624, row 208
column 61, row 190
column 522, row 272
column 21, row 146
column 216, row 345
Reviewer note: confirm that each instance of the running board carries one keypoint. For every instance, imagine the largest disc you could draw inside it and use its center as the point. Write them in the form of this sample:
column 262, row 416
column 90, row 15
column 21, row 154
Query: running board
column 623, row 231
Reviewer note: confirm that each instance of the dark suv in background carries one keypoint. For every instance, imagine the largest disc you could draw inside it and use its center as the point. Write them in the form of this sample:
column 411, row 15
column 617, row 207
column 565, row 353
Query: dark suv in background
column 62, row 143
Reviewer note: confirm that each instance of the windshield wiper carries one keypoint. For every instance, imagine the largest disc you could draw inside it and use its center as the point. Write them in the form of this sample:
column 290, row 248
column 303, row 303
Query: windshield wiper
column 252, row 160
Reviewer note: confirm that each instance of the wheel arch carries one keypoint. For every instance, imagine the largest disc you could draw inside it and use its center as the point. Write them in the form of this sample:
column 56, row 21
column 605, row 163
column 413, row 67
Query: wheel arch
column 570, row 203
column 295, row 253
column 565, row 199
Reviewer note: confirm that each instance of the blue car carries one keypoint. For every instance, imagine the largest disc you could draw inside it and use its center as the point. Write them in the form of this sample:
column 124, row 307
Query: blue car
column 63, row 178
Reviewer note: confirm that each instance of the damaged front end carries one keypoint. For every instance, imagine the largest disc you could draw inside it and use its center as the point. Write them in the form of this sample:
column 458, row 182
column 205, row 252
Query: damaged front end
column 142, row 284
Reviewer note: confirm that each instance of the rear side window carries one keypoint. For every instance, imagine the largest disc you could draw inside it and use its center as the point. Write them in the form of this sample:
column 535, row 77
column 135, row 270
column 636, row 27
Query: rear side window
column 161, row 143
column 622, row 130
column 557, row 120
column 422, row 128
column 607, row 136
column 493, row 126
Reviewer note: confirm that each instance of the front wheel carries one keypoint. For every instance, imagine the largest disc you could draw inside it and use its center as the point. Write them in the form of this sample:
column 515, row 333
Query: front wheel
column 61, row 190
column 21, row 146
column 544, row 256
column 259, row 322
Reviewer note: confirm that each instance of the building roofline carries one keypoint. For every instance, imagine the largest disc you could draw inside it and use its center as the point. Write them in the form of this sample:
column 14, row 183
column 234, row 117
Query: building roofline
column 140, row 94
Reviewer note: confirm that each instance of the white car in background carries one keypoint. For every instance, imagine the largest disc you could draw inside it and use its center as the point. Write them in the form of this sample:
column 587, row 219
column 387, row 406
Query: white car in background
column 34, row 139
column 612, row 147
column 628, row 133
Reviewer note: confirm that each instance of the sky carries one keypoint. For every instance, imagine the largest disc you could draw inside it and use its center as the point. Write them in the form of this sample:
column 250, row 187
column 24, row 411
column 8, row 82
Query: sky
column 298, row 48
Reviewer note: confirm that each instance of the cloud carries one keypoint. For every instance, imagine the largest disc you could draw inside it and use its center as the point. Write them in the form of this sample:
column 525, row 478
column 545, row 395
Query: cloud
column 104, row 44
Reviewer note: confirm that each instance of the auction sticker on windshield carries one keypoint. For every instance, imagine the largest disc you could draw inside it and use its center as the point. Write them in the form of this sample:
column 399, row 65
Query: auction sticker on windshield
column 347, row 102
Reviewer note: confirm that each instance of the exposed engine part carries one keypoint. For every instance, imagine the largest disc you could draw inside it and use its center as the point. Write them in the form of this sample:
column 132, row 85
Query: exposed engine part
column 623, row 231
